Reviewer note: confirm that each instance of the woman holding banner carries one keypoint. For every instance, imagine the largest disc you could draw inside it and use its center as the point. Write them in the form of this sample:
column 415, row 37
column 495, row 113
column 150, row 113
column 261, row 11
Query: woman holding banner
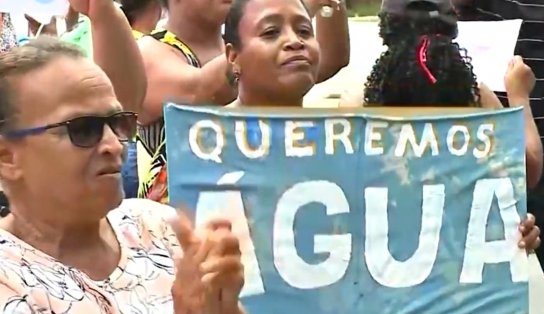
column 434, row 37
column 423, row 66
column 186, row 62
column 275, row 63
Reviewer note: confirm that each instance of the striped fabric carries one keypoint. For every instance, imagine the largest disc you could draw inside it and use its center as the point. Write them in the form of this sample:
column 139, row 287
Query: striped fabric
column 530, row 43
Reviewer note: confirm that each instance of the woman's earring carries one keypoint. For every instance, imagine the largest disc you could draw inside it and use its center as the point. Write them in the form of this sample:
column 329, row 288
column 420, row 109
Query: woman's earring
column 236, row 75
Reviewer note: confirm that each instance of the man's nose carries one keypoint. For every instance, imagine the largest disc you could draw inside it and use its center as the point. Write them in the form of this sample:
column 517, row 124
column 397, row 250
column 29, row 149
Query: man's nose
column 110, row 143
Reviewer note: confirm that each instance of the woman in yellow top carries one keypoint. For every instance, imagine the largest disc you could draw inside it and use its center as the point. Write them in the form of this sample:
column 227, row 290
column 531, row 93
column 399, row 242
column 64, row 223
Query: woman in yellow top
column 143, row 16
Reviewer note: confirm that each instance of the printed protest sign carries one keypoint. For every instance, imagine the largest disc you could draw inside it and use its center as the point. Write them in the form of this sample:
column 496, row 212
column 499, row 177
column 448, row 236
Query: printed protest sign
column 382, row 211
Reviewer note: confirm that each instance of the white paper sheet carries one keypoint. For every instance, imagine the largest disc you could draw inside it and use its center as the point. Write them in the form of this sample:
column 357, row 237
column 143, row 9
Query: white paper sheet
column 491, row 47
column 36, row 8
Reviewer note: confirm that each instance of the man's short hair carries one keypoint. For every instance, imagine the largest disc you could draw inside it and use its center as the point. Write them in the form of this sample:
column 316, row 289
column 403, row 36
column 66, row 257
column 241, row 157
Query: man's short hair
column 19, row 61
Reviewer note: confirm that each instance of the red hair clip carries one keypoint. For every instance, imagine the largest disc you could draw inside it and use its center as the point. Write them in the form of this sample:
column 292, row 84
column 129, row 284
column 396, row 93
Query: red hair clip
column 422, row 58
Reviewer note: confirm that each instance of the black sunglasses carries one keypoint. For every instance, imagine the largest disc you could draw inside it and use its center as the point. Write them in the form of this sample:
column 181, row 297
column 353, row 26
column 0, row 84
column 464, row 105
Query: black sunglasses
column 87, row 131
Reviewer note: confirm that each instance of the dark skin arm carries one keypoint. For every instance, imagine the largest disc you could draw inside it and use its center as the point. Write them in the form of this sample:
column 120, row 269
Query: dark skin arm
column 519, row 82
column 122, row 61
column 170, row 76
column 332, row 34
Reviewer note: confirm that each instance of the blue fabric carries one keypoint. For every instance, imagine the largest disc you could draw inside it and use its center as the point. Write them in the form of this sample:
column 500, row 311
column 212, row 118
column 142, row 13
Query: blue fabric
column 130, row 172
column 364, row 211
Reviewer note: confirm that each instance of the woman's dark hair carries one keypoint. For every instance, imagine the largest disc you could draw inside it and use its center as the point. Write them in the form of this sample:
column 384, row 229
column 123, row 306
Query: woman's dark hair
column 402, row 76
column 232, row 23
column 132, row 8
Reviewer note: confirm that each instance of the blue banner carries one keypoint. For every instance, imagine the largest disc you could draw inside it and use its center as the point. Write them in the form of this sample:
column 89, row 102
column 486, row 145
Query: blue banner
column 383, row 211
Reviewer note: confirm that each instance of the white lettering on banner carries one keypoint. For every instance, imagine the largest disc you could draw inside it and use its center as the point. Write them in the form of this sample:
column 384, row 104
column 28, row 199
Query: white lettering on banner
column 378, row 139
column 212, row 153
column 294, row 134
column 382, row 266
column 291, row 267
column 407, row 135
column 484, row 134
column 240, row 132
column 331, row 136
column 229, row 204
column 455, row 149
column 372, row 136
column 479, row 252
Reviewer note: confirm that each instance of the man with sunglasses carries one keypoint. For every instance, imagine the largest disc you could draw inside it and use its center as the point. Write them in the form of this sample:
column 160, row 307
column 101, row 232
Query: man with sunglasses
column 70, row 244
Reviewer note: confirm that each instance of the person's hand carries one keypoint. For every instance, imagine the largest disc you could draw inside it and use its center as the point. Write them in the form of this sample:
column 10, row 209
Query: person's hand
column 530, row 234
column 314, row 6
column 92, row 8
column 519, row 80
column 209, row 275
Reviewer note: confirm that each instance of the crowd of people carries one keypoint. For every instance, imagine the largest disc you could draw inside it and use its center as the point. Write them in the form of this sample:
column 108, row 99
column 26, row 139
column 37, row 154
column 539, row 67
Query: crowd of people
column 75, row 105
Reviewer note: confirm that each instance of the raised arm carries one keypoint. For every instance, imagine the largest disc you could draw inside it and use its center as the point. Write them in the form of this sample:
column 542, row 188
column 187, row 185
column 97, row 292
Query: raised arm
column 333, row 36
column 169, row 77
column 115, row 50
column 519, row 82
column 533, row 145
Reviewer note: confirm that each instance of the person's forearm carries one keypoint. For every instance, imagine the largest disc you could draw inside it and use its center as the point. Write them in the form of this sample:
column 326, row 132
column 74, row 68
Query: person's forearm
column 333, row 37
column 533, row 145
column 116, row 52
column 213, row 86
column 533, row 150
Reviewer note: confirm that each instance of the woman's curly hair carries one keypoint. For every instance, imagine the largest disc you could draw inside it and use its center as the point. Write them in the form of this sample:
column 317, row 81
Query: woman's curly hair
column 397, row 78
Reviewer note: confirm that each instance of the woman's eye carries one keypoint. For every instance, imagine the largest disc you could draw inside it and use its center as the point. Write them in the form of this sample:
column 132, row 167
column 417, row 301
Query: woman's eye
column 306, row 32
column 270, row 32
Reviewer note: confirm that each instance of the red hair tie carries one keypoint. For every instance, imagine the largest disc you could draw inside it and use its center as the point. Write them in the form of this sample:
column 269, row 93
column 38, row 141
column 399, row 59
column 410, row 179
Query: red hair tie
column 422, row 58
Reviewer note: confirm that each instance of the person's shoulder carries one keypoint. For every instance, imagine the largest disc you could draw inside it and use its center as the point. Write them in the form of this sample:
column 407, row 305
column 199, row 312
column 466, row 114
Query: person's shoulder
column 144, row 210
column 23, row 269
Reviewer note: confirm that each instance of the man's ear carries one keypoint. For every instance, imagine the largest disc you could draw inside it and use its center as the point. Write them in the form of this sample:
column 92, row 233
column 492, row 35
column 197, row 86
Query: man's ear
column 233, row 72
column 10, row 169
column 232, row 54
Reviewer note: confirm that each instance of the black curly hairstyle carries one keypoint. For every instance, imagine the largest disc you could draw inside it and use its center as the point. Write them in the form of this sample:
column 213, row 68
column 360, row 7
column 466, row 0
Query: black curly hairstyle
column 397, row 78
